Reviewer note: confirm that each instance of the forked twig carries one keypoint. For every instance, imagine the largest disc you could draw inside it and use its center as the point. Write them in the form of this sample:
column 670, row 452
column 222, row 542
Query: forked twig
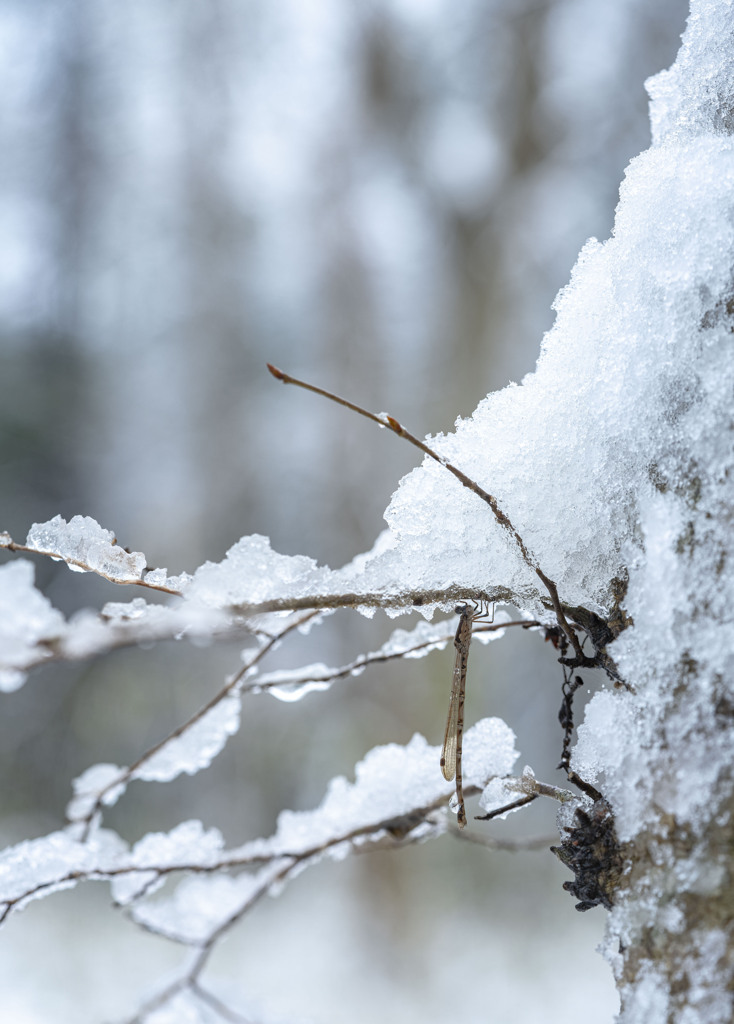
column 385, row 420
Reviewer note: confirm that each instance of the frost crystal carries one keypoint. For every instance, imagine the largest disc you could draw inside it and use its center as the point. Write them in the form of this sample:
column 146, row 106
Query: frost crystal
column 85, row 545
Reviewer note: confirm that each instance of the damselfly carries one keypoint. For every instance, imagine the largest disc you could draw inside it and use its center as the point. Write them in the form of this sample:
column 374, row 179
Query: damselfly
column 453, row 737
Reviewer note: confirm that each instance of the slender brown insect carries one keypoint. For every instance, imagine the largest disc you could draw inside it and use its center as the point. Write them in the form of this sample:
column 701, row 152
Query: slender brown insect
column 454, row 735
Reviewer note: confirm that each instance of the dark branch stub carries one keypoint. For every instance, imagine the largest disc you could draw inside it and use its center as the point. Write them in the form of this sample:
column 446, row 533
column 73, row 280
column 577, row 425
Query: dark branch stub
column 591, row 850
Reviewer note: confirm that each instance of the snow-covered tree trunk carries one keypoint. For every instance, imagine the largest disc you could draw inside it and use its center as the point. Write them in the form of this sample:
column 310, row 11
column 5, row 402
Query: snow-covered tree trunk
column 662, row 753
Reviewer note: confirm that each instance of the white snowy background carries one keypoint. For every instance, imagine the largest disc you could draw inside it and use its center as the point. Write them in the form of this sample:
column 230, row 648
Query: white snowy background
column 385, row 200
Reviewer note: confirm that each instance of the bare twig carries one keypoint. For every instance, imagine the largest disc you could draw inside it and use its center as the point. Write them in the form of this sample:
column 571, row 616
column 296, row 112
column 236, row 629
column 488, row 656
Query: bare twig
column 329, row 675
column 384, row 420
column 510, row 845
column 448, row 597
column 512, row 806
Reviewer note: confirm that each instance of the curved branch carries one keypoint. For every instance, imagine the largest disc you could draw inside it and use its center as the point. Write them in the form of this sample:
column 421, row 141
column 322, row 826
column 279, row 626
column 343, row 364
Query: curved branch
column 384, row 420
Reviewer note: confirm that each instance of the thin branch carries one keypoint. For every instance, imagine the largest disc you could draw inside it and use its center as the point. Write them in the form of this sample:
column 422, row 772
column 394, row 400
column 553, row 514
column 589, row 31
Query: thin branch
column 389, row 833
column 384, row 420
column 180, row 985
column 511, row 845
column 9, row 544
column 126, row 776
column 447, row 597
column 395, row 833
column 531, row 788
column 512, row 806
column 374, row 658
column 224, row 1011
column 119, row 633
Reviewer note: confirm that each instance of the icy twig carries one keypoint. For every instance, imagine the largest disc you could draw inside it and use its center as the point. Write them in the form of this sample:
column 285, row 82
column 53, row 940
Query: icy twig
column 529, row 788
column 82, row 565
column 396, row 799
column 395, row 796
column 377, row 599
column 305, row 676
column 391, row 832
column 96, row 634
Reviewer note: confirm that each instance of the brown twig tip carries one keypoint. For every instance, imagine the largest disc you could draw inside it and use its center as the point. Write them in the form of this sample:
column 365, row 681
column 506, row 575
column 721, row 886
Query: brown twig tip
column 394, row 423
column 278, row 374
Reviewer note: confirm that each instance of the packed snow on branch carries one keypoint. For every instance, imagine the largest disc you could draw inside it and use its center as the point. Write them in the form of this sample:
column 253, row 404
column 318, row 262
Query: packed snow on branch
column 86, row 547
column 27, row 622
column 207, row 603
column 393, row 782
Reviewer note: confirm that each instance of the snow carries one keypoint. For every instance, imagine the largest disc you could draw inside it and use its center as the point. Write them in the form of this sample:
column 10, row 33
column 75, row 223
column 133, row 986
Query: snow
column 570, row 463
column 676, row 212
column 37, row 868
column 393, row 781
column 689, row 99
column 27, row 620
column 199, row 906
column 614, row 462
column 103, row 783
column 85, row 546
column 252, row 572
column 187, row 843
column 197, row 745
